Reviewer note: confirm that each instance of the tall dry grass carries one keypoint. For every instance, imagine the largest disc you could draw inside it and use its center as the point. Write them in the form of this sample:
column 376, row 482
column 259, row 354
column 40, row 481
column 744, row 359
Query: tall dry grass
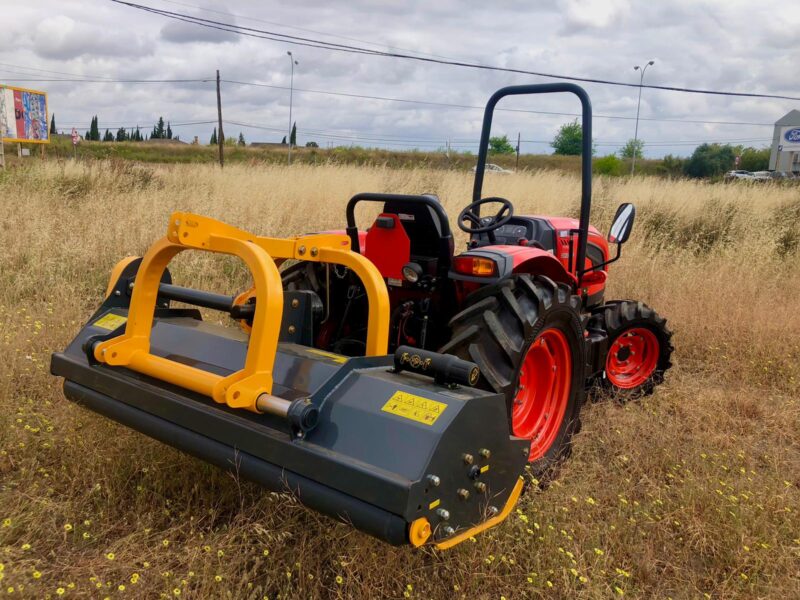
column 691, row 493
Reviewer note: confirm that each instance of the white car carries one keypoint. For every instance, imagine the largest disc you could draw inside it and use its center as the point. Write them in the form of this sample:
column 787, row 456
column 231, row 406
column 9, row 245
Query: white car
column 762, row 176
column 739, row 174
column 492, row 168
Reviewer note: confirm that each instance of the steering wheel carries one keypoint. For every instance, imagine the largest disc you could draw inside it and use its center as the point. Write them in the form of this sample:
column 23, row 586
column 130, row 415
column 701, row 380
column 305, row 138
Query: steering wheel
column 487, row 224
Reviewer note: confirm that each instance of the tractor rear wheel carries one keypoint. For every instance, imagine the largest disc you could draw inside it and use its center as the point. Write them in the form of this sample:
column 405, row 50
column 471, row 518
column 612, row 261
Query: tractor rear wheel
column 525, row 334
column 639, row 348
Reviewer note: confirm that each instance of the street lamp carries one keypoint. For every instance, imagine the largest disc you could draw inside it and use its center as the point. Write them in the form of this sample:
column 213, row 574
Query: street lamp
column 638, row 106
column 293, row 62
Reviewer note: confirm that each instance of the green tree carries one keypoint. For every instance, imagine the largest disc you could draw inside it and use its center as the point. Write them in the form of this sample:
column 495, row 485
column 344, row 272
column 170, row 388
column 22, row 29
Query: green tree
column 283, row 141
column 241, row 141
column 94, row 131
column 753, row 159
column 312, row 145
column 213, row 141
column 122, row 135
column 568, row 140
column 709, row 160
column 169, row 131
column 159, row 130
column 108, row 137
column 293, row 135
column 633, row 148
column 53, row 124
column 672, row 165
column 500, row 145
column 137, row 135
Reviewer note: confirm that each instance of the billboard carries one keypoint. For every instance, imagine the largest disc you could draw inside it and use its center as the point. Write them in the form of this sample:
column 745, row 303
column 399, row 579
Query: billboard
column 790, row 139
column 23, row 115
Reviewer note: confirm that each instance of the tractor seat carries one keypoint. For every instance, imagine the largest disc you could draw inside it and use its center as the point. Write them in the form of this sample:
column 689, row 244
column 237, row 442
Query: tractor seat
column 409, row 231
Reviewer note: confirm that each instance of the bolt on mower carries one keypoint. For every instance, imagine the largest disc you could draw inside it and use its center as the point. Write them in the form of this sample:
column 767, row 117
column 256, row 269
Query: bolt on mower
column 382, row 379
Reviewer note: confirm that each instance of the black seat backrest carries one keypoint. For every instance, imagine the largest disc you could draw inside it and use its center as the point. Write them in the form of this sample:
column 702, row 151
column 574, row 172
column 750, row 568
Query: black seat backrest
column 423, row 226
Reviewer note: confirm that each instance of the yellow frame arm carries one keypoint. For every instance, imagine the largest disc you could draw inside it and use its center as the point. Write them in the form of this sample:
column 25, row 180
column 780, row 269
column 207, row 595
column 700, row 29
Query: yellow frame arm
column 242, row 388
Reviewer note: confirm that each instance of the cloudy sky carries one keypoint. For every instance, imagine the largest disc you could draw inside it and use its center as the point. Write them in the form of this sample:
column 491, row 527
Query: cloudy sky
column 713, row 44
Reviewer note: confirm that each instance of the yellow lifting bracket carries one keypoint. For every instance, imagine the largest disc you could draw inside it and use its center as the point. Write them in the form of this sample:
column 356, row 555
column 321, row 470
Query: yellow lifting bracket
column 242, row 388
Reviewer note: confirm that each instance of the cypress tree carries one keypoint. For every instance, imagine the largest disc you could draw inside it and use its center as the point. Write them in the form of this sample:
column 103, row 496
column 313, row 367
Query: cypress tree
column 169, row 131
column 160, row 133
column 241, row 139
column 53, row 124
column 137, row 137
column 283, row 141
column 108, row 137
column 213, row 141
column 293, row 135
column 94, row 130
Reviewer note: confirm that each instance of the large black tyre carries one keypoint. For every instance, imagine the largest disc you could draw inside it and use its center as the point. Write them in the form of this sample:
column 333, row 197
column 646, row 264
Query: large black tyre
column 633, row 327
column 498, row 329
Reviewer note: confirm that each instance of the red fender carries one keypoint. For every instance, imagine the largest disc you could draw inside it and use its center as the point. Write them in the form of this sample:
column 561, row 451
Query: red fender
column 527, row 259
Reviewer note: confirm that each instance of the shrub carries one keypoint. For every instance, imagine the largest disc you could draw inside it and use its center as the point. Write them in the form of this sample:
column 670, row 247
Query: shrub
column 608, row 165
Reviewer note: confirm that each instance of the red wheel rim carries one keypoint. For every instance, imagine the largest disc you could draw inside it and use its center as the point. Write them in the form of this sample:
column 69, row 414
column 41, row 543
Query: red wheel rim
column 632, row 358
column 543, row 394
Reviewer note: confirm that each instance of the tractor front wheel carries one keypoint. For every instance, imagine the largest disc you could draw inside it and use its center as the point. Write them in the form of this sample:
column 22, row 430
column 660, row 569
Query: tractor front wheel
column 526, row 336
column 639, row 348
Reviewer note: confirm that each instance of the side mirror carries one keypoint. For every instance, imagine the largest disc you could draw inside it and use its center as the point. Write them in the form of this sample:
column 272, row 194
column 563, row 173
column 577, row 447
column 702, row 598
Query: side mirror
column 622, row 224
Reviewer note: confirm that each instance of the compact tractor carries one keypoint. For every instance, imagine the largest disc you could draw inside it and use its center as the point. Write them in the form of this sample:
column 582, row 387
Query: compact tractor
column 382, row 378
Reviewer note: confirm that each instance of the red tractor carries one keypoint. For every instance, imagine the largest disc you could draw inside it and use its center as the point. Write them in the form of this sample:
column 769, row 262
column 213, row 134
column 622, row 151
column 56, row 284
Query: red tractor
column 525, row 301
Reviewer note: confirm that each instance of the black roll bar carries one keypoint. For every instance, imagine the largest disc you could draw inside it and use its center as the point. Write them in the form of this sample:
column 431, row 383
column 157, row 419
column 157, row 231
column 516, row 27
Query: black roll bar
column 586, row 152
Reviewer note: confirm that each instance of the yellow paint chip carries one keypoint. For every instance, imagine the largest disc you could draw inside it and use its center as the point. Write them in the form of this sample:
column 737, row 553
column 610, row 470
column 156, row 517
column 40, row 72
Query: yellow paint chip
column 329, row 355
column 484, row 468
column 110, row 321
column 434, row 504
column 419, row 409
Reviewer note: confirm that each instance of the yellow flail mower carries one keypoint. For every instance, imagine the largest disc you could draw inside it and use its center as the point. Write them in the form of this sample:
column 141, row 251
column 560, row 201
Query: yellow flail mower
column 402, row 447
column 384, row 378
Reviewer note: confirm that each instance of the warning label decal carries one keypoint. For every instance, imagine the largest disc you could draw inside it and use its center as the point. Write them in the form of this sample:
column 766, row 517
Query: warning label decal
column 416, row 408
column 110, row 321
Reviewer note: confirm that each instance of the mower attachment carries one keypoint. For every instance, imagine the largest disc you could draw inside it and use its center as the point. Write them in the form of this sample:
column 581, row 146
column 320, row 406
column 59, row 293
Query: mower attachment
column 403, row 454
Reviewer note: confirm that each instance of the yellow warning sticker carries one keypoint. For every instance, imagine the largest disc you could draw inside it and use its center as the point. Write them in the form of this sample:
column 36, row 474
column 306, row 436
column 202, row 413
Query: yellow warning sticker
column 484, row 468
column 416, row 408
column 110, row 321
column 330, row 355
column 434, row 504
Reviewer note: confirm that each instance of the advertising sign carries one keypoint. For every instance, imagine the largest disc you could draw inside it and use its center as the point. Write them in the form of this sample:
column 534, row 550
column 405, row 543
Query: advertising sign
column 23, row 115
column 790, row 139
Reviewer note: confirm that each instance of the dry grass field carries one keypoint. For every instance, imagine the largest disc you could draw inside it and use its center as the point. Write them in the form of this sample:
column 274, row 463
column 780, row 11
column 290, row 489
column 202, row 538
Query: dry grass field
column 691, row 493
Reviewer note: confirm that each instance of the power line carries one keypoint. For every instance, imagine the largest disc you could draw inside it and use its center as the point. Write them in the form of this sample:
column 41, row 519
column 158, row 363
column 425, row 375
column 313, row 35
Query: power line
column 332, row 134
column 473, row 107
column 315, row 43
column 333, row 35
column 103, row 79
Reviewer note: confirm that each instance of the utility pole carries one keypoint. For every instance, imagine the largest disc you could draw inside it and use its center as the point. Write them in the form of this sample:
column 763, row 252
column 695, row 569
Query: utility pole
column 220, row 135
column 291, row 93
column 638, row 106
column 516, row 166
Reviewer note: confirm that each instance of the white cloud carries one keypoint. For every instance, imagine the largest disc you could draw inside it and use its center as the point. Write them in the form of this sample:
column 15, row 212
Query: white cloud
column 723, row 44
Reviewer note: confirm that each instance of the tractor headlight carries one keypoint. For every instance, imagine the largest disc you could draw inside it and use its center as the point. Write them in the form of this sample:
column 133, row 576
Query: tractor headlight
column 412, row 272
